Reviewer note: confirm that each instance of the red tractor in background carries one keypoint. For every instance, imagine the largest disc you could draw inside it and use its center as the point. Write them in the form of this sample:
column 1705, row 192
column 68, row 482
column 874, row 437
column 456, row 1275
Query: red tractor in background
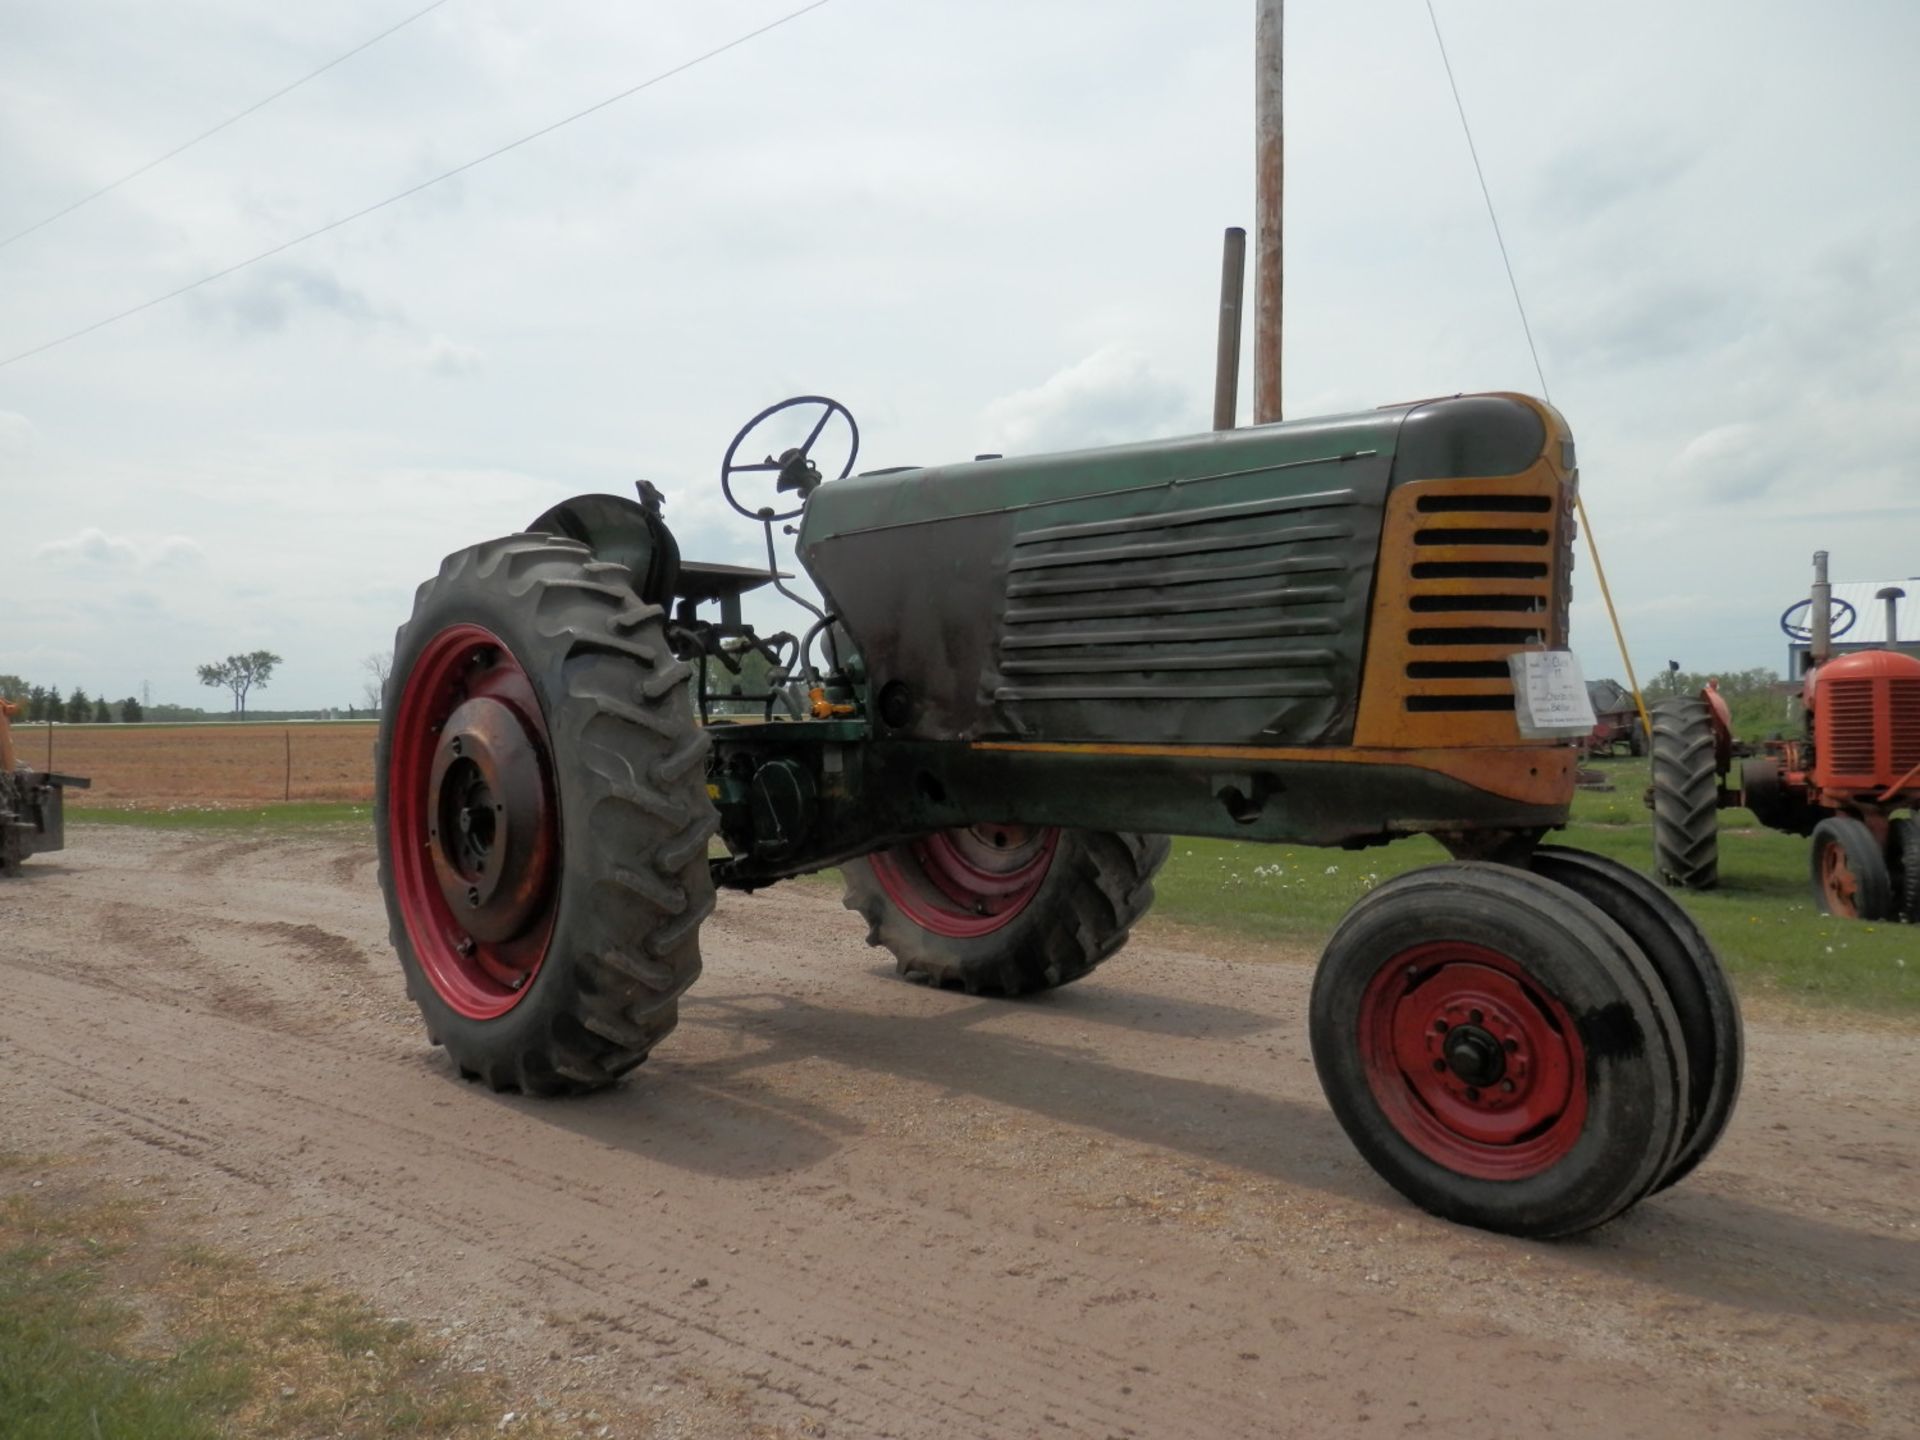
column 1846, row 781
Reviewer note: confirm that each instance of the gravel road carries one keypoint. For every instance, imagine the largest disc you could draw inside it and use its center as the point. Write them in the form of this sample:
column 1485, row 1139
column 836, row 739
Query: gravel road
column 836, row 1203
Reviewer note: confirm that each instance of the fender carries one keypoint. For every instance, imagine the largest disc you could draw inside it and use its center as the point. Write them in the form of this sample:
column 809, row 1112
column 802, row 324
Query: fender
column 628, row 532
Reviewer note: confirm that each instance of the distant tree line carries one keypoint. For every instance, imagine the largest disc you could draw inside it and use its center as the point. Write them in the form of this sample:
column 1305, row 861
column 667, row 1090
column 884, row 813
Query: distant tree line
column 43, row 702
column 1761, row 704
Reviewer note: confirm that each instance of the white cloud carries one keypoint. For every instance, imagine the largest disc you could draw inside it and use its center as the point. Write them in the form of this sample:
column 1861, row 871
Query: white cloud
column 446, row 357
column 95, row 549
column 1113, row 395
column 17, row 436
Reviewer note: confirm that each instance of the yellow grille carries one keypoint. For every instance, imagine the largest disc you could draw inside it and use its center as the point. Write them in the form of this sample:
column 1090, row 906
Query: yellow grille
column 1470, row 572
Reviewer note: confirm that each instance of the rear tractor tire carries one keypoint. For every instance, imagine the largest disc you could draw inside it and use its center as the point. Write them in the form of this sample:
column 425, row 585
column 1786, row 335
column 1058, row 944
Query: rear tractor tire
column 1686, row 795
column 1005, row 909
column 542, row 816
column 1850, row 877
column 1499, row 1050
column 1903, row 866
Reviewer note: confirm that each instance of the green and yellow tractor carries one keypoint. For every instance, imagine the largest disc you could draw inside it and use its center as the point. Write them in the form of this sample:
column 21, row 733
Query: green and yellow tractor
column 1023, row 676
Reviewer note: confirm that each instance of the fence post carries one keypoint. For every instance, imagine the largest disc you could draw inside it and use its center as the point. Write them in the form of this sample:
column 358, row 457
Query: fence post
column 289, row 739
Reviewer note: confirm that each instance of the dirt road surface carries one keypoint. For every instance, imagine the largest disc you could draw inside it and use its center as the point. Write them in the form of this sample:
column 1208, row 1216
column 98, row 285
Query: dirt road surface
column 836, row 1203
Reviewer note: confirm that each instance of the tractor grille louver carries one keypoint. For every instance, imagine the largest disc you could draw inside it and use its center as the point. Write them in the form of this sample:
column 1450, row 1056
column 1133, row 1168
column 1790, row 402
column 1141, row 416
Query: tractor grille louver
column 1471, row 571
column 1868, row 729
column 1849, row 727
column 1482, row 588
column 1218, row 603
column 1905, row 706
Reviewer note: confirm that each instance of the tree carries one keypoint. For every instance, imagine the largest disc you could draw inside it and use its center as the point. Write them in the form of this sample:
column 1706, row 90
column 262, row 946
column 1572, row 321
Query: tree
column 102, row 712
column 56, row 707
column 12, row 687
column 79, row 708
column 378, row 666
column 240, row 674
column 131, row 712
column 37, row 703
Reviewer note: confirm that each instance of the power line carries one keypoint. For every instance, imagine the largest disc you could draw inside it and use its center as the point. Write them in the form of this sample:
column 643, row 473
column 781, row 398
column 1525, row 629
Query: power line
column 1487, row 195
column 411, row 190
column 1579, row 501
column 159, row 160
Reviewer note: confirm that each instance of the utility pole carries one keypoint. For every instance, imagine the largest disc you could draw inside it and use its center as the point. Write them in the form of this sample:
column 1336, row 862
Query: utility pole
column 1270, row 167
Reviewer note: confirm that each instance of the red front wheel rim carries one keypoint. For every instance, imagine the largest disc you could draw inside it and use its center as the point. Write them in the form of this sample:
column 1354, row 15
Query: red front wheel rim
column 969, row 881
column 1474, row 1065
column 1838, row 883
column 473, row 822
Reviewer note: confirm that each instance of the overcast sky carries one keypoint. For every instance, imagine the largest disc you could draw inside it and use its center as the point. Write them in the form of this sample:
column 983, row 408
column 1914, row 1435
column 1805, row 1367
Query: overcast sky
column 984, row 225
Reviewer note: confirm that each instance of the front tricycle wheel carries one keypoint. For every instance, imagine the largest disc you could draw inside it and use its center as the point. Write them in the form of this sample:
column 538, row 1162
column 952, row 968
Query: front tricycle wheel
column 542, row 816
column 1499, row 1050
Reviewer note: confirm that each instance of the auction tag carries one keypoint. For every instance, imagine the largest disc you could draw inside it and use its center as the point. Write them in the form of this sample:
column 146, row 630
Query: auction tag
column 1550, row 694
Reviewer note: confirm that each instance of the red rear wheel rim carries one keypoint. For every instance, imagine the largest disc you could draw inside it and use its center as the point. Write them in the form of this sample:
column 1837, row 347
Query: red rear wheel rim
column 473, row 822
column 1475, row 1066
column 1838, row 882
column 967, row 882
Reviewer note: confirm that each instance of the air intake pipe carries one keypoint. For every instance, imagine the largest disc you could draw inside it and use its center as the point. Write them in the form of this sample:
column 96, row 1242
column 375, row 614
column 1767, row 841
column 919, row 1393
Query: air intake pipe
column 1893, row 595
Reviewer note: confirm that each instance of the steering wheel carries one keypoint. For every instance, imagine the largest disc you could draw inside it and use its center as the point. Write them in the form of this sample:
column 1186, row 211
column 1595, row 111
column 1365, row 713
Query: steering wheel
column 794, row 466
column 1840, row 613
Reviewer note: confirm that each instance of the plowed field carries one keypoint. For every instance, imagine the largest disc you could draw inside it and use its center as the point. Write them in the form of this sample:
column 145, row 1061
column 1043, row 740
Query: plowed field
column 161, row 765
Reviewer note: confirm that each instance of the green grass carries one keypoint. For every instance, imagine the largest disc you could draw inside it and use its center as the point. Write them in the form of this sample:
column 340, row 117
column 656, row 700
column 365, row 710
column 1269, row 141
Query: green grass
column 111, row 1328
column 1762, row 919
column 66, row 1368
column 299, row 815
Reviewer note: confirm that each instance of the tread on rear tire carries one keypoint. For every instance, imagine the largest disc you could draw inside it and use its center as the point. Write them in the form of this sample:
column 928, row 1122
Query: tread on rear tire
column 625, row 778
column 1686, row 795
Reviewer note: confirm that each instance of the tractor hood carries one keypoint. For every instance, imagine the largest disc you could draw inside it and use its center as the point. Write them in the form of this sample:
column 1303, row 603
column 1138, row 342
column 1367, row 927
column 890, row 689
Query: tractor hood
column 1211, row 588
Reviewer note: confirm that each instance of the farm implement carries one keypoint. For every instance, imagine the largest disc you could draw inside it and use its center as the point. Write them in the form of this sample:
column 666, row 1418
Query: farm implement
column 1845, row 781
column 1025, row 674
column 32, row 802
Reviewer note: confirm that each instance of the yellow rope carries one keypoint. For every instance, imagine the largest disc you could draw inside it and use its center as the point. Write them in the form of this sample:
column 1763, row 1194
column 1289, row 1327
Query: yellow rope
column 1619, row 635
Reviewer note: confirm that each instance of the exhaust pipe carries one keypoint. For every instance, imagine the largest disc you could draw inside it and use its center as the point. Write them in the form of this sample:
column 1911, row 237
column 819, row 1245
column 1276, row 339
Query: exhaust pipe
column 1226, row 359
column 1893, row 595
column 1820, row 649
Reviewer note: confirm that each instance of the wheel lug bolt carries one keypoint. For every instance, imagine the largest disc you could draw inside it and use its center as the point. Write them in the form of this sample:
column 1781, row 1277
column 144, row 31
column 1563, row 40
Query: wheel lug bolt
column 1472, row 1093
column 466, row 945
column 1440, row 1066
column 455, row 746
column 1440, row 1027
column 1507, row 1086
column 473, row 896
column 1473, row 1017
column 1512, row 1046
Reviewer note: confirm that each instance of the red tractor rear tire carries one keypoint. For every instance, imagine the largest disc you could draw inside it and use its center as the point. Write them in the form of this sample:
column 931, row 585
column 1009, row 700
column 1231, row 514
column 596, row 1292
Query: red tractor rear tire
column 1002, row 909
column 542, row 817
column 1903, row 867
column 1686, row 794
column 1850, row 878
